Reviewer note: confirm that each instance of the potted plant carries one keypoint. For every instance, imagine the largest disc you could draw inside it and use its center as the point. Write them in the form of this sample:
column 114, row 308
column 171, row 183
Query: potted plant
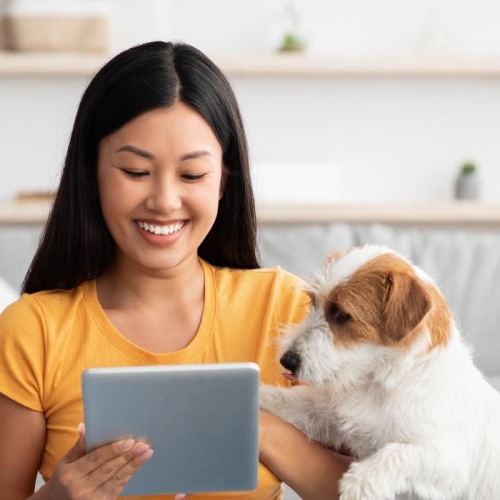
column 467, row 185
column 292, row 39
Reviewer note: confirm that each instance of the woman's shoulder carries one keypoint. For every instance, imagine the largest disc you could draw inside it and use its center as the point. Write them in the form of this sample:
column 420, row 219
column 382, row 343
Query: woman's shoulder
column 44, row 303
column 271, row 288
column 267, row 276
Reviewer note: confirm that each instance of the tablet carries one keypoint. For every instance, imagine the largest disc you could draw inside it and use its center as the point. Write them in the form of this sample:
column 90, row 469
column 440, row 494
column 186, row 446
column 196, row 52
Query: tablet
column 202, row 422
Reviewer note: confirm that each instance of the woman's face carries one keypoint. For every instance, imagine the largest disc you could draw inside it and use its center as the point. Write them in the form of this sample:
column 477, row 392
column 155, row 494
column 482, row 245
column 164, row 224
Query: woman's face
column 159, row 180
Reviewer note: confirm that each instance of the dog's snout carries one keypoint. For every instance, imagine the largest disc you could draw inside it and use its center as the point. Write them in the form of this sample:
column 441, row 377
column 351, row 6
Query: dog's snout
column 290, row 360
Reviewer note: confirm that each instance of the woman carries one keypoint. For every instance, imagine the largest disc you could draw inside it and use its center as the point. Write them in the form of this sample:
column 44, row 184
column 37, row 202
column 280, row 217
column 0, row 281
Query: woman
column 148, row 257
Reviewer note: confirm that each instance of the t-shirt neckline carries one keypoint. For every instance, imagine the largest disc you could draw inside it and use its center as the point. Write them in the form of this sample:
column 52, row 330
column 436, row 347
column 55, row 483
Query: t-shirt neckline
column 128, row 347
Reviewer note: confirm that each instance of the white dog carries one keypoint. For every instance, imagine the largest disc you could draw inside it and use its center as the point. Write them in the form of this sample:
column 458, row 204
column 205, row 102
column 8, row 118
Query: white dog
column 386, row 374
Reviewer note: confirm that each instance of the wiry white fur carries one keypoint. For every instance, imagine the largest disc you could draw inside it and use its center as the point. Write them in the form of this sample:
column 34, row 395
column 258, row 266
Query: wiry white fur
column 351, row 261
column 422, row 421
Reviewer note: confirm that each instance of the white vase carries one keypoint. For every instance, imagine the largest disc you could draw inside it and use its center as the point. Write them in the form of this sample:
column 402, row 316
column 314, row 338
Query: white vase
column 467, row 187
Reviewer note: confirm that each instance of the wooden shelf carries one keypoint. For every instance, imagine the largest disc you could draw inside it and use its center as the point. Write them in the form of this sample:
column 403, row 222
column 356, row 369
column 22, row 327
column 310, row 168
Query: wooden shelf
column 301, row 65
column 279, row 65
column 43, row 64
column 445, row 213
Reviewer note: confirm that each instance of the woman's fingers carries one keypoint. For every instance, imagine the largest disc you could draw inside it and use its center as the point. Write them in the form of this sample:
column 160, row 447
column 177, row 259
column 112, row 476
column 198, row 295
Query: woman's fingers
column 115, row 474
column 103, row 472
column 118, row 452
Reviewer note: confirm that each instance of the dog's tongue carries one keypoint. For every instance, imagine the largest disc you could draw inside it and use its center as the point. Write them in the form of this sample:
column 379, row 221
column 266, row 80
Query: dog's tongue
column 289, row 376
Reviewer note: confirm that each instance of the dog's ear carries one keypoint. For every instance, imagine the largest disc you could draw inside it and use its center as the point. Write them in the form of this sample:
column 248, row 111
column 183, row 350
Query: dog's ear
column 406, row 304
column 333, row 256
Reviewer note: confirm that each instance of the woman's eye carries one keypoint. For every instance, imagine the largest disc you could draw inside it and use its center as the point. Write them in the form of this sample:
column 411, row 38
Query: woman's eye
column 193, row 177
column 135, row 174
column 336, row 315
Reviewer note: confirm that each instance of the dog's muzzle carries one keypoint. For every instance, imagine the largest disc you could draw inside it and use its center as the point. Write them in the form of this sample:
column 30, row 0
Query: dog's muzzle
column 291, row 361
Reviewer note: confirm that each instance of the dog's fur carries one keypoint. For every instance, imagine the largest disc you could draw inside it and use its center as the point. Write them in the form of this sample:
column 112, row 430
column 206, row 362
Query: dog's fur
column 385, row 373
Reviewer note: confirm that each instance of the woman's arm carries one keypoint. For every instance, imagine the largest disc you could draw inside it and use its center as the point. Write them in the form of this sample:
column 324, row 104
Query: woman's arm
column 99, row 474
column 22, row 438
column 311, row 470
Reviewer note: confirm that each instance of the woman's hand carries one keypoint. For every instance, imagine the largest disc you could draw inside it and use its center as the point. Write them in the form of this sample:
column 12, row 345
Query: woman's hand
column 98, row 475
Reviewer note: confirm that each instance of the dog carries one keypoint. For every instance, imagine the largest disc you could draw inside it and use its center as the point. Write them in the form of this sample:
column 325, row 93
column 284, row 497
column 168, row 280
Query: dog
column 382, row 370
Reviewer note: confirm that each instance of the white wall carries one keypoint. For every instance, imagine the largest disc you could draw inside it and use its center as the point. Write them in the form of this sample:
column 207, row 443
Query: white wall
column 356, row 139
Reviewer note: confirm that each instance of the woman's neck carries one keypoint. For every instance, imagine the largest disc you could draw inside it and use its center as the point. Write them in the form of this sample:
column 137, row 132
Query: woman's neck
column 159, row 312
column 123, row 286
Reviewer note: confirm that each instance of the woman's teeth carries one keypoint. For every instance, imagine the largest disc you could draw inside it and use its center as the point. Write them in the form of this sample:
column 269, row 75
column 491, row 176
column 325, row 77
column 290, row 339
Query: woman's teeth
column 156, row 229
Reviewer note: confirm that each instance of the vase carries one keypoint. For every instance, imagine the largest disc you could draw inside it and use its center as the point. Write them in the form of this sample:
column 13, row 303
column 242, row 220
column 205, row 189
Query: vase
column 467, row 187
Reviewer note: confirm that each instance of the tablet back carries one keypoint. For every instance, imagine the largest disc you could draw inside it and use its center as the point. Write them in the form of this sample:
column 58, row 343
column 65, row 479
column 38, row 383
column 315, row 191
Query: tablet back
column 202, row 421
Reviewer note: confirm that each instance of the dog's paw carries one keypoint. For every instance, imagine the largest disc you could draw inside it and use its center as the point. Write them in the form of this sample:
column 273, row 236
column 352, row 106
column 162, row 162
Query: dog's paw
column 355, row 485
column 351, row 491
column 270, row 397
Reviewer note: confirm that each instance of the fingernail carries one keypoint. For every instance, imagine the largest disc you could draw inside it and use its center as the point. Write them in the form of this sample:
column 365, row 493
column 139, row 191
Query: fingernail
column 146, row 455
column 127, row 444
column 141, row 448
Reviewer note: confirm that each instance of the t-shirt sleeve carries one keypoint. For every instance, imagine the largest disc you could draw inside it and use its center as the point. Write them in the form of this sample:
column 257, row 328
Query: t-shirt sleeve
column 22, row 353
column 295, row 302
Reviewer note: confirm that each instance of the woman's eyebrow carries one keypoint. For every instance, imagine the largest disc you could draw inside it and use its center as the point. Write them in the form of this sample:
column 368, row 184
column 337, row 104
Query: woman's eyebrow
column 136, row 151
column 196, row 154
column 149, row 156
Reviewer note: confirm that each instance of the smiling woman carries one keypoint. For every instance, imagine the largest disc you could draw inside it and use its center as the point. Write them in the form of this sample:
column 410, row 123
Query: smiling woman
column 148, row 257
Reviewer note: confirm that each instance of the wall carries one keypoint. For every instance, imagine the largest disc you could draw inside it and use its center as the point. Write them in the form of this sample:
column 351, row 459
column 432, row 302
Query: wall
column 348, row 139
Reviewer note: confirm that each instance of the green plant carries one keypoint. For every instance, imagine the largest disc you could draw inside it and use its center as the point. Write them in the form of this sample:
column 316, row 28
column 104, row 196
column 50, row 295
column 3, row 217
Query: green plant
column 468, row 168
column 292, row 39
column 291, row 42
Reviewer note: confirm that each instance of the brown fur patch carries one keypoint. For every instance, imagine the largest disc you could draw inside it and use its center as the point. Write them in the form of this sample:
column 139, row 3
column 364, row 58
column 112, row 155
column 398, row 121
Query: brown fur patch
column 437, row 321
column 333, row 256
column 388, row 304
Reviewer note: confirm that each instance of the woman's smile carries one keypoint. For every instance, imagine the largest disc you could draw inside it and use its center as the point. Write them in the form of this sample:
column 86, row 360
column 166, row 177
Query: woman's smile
column 165, row 234
column 163, row 229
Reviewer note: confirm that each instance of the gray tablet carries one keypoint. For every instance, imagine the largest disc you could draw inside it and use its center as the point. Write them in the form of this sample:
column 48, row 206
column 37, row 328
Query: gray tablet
column 202, row 421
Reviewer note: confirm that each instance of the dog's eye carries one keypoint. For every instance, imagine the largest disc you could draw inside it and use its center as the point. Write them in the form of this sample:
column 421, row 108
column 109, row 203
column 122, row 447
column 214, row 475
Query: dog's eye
column 336, row 315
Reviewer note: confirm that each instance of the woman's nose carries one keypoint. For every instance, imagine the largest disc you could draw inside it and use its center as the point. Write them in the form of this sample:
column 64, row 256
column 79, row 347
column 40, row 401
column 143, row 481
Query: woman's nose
column 165, row 196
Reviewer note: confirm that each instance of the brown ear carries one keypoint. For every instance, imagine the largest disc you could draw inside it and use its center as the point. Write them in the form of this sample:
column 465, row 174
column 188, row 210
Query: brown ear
column 406, row 304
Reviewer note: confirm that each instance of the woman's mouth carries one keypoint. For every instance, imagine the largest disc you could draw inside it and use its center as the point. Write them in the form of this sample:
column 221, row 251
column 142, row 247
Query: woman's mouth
column 161, row 229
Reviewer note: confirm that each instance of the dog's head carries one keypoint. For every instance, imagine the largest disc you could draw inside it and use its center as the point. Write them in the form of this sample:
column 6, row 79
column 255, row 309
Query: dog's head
column 370, row 307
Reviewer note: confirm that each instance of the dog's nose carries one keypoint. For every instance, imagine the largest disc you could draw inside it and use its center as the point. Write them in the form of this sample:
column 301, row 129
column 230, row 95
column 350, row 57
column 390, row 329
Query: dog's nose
column 290, row 360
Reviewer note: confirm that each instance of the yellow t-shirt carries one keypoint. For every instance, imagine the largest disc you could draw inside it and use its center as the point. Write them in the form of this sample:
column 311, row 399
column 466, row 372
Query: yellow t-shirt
column 48, row 338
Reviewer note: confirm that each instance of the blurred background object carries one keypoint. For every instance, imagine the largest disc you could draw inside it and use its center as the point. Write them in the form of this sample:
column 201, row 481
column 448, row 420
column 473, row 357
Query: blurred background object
column 56, row 25
column 293, row 38
column 392, row 95
column 467, row 182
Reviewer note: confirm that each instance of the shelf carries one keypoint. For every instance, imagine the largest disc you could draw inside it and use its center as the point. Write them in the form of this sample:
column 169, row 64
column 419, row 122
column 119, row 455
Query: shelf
column 43, row 64
column 279, row 65
column 300, row 65
column 445, row 213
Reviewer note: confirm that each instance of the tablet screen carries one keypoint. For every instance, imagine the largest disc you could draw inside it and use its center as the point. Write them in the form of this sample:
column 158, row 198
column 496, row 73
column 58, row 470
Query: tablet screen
column 202, row 422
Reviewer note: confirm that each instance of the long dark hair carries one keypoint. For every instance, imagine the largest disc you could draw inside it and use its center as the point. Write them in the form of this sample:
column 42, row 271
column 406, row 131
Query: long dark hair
column 76, row 245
